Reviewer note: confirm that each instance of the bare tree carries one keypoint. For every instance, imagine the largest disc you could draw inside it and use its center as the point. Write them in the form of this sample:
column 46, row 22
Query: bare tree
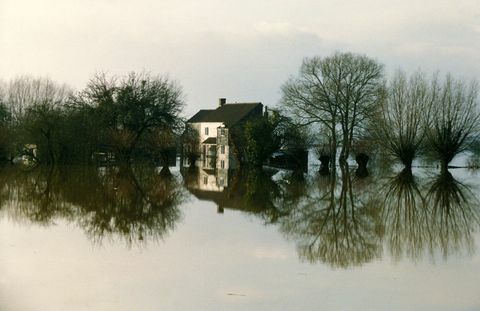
column 455, row 118
column 339, row 92
column 26, row 91
column 405, row 116
column 35, row 107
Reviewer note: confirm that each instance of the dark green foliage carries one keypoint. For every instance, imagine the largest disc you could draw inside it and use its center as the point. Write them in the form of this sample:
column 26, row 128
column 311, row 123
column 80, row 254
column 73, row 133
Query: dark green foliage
column 41, row 127
column 190, row 142
column 131, row 112
column 261, row 139
column 139, row 116
column 5, row 133
column 275, row 132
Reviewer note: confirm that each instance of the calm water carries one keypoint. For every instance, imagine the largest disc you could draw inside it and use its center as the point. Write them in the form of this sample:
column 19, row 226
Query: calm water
column 86, row 238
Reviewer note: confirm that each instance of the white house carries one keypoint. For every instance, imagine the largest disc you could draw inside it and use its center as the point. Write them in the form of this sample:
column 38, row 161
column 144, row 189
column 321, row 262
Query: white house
column 213, row 126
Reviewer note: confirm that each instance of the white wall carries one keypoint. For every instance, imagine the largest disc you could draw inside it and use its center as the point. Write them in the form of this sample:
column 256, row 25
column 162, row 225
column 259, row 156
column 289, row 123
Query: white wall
column 212, row 132
column 212, row 129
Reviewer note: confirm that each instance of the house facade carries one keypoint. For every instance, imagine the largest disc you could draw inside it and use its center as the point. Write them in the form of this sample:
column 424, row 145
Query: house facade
column 214, row 147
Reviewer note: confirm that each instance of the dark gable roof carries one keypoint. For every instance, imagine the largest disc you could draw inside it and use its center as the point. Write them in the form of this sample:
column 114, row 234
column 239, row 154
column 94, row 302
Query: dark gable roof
column 210, row 141
column 230, row 114
column 199, row 116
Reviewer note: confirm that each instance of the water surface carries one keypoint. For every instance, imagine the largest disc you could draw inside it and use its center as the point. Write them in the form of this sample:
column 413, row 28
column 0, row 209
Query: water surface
column 123, row 238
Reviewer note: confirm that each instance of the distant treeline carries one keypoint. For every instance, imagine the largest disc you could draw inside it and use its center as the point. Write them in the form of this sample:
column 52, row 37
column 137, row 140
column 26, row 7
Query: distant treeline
column 135, row 116
column 342, row 102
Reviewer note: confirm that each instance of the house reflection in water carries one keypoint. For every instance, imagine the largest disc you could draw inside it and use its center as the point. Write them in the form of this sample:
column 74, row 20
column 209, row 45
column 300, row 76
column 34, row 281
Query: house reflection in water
column 250, row 191
column 209, row 184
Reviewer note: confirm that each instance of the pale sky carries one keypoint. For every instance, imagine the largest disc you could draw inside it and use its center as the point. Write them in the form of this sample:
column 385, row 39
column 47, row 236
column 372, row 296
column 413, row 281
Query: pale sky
column 241, row 50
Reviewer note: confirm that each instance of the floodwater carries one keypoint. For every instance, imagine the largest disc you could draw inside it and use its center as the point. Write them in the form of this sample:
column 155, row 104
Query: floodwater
column 123, row 238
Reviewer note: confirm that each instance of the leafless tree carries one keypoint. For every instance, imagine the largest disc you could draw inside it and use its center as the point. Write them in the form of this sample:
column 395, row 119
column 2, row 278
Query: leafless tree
column 455, row 118
column 339, row 92
column 405, row 116
column 34, row 107
column 26, row 91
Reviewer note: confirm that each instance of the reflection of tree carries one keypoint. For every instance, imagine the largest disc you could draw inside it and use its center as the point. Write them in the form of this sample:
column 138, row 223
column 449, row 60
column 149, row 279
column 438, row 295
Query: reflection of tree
column 335, row 225
column 405, row 216
column 443, row 219
column 335, row 220
column 33, row 196
column 294, row 188
column 132, row 203
column 454, row 214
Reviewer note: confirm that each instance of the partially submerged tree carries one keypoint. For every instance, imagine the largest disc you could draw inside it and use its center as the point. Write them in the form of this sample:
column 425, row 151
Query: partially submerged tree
column 190, row 143
column 37, row 107
column 405, row 117
column 127, row 110
column 455, row 119
column 261, row 138
column 275, row 132
column 5, row 133
column 340, row 92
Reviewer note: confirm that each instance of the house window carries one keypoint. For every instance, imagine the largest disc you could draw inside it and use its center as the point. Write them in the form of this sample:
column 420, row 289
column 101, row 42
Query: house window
column 222, row 164
column 222, row 131
column 205, row 180
column 222, row 149
column 206, row 131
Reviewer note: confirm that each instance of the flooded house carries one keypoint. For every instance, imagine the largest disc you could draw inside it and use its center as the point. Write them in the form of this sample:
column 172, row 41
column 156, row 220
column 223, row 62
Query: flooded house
column 215, row 129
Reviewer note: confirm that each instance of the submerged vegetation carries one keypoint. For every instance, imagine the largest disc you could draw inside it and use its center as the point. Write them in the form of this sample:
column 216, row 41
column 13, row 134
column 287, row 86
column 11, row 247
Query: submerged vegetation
column 348, row 104
column 136, row 116
column 404, row 118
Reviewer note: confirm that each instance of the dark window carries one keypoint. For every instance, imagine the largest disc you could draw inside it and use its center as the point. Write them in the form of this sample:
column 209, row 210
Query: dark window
column 206, row 131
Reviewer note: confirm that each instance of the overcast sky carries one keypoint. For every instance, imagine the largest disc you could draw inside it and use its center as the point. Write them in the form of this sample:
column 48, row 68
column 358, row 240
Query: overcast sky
column 242, row 50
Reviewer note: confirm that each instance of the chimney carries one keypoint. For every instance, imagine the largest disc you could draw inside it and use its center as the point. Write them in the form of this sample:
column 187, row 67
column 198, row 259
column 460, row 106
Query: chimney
column 265, row 114
column 221, row 102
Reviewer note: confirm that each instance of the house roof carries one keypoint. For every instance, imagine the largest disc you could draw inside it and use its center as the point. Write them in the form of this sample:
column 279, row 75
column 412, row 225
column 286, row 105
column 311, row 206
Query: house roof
column 210, row 141
column 229, row 114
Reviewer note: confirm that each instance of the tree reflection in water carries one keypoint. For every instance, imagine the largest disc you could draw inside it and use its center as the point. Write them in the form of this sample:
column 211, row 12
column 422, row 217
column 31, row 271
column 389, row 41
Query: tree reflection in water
column 334, row 224
column 344, row 221
column 132, row 203
column 454, row 214
column 405, row 216
column 340, row 219
column 441, row 218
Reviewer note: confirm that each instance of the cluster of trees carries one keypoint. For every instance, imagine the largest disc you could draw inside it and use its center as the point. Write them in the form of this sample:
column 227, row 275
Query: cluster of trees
column 272, row 133
column 346, row 99
column 343, row 99
column 138, row 115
